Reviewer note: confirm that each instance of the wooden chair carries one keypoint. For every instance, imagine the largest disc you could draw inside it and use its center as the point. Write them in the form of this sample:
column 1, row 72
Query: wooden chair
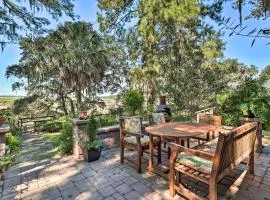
column 213, row 120
column 210, row 167
column 131, row 136
column 156, row 118
column 159, row 118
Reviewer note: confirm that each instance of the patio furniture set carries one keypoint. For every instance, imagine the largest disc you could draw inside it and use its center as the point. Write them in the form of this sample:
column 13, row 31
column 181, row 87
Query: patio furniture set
column 223, row 148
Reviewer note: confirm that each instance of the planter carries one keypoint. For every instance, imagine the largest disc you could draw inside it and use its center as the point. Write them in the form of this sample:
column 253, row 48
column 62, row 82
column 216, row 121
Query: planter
column 83, row 115
column 91, row 155
column 2, row 120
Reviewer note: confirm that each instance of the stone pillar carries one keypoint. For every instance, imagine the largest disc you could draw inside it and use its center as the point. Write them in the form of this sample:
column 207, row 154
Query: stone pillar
column 78, row 132
column 3, row 131
column 2, row 144
column 258, row 144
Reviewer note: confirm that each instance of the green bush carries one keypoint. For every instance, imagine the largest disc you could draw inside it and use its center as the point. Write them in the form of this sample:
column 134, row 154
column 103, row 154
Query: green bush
column 7, row 161
column 13, row 142
column 133, row 102
column 50, row 126
column 91, row 130
column 54, row 138
column 66, row 137
column 181, row 118
column 107, row 120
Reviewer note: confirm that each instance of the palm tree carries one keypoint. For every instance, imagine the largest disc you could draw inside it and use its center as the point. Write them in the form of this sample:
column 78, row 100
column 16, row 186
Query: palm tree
column 83, row 61
column 70, row 60
column 145, row 79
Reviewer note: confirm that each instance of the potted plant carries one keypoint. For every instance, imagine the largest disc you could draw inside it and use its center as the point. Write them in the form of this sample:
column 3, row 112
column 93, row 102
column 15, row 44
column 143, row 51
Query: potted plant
column 83, row 111
column 3, row 117
column 91, row 145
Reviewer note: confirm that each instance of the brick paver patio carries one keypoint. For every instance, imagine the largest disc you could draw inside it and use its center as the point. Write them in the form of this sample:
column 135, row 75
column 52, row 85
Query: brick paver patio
column 68, row 178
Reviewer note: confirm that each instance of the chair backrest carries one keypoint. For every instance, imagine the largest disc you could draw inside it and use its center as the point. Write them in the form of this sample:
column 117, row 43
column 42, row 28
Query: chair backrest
column 156, row 118
column 233, row 148
column 214, row 120
column 131, row 124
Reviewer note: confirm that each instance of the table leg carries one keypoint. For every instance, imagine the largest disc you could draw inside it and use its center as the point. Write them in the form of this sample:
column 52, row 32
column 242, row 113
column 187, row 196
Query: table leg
column 182, row 143
column 169, row 152
column 151, row 153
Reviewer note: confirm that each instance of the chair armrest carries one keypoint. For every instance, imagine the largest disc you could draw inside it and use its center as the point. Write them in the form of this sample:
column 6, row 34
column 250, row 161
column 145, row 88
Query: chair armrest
column 178, row 148
column 134, row 134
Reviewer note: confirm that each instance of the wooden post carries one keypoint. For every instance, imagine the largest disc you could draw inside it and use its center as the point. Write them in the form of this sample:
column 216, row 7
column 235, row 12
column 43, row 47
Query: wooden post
column 172, row 174
column 151, row 152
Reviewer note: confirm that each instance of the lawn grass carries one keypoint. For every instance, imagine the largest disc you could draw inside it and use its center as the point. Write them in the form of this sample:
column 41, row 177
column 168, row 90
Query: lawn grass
column 54, row 138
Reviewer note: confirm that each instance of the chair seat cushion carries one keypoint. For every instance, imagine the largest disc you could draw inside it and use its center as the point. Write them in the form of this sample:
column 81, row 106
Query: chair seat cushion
column 144, row 140
column 209, row 147
column 195, row 162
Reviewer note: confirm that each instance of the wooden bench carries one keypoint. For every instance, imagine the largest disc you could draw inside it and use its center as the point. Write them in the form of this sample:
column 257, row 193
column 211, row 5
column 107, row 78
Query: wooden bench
column 211, row 166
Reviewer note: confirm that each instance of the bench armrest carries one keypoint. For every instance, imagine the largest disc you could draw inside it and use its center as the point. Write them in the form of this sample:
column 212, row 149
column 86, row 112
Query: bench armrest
column 178, row 148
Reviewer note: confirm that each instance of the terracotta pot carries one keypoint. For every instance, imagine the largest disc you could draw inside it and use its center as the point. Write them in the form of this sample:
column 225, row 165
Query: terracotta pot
column 2, row 120
column 162, row 99
column 83, row 114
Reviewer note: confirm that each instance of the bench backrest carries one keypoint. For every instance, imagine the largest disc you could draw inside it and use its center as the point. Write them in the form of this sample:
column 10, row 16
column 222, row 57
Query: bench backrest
column 233, row 148
column 213, row 120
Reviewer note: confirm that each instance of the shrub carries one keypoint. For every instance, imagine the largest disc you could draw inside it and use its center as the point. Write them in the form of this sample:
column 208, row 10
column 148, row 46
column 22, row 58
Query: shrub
column 91, row 130
column 6, row 161
column 181, row 118
column 50, row 126
column 132, row 101
column 66, row 137
column 13, row 142
column 107, row 120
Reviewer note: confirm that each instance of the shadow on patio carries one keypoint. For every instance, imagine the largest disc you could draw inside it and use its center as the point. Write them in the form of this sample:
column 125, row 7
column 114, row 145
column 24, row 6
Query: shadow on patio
column 68, row 178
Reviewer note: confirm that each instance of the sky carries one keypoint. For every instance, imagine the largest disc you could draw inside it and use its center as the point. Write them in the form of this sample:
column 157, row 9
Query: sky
column 235, row 46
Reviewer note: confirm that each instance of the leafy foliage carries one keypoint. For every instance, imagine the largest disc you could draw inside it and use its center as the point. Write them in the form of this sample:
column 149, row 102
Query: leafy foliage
column 132, row 101
column 107, row 120
column 256, row 9
column 17, row 18
column 251, row 96
column 50, row 126
column 84, row 69
column 92, row 141
column 66, row 137
column 13, row 142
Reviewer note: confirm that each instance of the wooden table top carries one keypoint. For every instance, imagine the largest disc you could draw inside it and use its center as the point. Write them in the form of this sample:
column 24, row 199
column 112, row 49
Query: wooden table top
column 179, row 129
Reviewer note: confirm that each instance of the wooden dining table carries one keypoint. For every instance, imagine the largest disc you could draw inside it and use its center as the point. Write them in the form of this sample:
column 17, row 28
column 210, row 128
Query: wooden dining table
column 177, row 131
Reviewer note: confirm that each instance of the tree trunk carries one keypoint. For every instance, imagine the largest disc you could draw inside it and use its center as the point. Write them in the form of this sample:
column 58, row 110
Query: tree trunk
column 72, row 107
column 79, row 97
column 63, row 100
